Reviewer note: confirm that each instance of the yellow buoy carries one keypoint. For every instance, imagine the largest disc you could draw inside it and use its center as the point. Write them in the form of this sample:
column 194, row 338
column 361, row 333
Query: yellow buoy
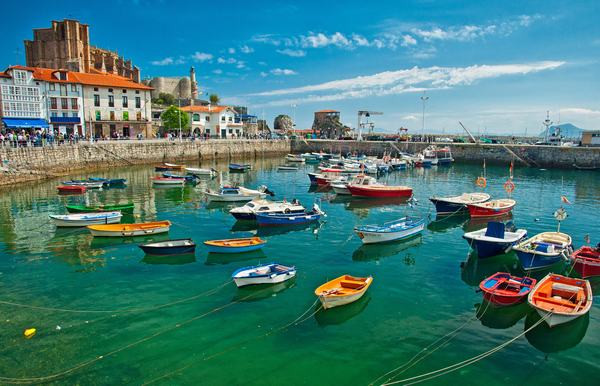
column 29, row 333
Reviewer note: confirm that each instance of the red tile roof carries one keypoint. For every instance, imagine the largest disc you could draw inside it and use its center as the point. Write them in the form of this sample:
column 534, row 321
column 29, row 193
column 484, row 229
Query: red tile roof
column 327, row 111
column 204, row 109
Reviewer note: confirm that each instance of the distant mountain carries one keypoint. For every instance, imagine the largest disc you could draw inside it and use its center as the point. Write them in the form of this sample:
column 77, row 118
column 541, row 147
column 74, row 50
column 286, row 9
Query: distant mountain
column 567, row 130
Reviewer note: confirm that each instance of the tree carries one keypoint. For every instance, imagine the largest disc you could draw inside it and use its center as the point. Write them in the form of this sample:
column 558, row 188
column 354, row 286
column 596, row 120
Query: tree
column 214, row 99
column 170, row 118
column 164, row 98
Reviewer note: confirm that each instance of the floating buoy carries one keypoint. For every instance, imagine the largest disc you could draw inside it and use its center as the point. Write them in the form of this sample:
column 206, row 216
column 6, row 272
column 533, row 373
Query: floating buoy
column 481, row 182
column 29, row 333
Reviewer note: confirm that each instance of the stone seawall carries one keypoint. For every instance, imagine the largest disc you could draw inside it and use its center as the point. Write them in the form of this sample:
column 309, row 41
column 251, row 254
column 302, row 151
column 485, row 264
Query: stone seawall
column 535, row 156
column 33, row 163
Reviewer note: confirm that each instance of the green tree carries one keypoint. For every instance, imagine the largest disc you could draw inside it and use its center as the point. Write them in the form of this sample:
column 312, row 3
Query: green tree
column 170, row 118
column 214, row 99
column 164, row 98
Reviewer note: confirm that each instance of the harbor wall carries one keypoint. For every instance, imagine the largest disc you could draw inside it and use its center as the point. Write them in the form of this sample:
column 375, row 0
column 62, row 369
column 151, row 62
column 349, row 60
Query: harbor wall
column 34, row 163
column 529, row 155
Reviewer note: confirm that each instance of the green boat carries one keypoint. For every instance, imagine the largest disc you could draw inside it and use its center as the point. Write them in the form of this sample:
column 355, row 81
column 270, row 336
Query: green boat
column 123, row 208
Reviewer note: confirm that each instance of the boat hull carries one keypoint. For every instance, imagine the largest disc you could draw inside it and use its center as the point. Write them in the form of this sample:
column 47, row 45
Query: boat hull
column 126, row 230
column 282, row 220
column 246, row 281
column 106, row 208
column 224, row 249
column 228, row 198
column 341, row 189
column 85, row 222
column 586, row 262
column 445, row 208
column 531, row 261
column 163, row 249
column 386, row 237
column 478, row 211
column 485, row 249
column 359, row 191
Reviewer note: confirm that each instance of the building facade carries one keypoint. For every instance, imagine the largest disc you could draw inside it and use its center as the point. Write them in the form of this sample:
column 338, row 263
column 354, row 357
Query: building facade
column 590, row 138
column 23, row 100
column 214, row 121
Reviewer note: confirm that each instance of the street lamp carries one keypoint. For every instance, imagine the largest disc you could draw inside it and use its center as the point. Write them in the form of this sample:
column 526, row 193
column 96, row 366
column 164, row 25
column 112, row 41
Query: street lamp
column 424, row 99
column 179, row 115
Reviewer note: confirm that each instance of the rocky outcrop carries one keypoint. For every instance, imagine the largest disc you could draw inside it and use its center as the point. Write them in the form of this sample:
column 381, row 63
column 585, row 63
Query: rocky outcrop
column 329, row 126
column 283, row 123
column 262, row 126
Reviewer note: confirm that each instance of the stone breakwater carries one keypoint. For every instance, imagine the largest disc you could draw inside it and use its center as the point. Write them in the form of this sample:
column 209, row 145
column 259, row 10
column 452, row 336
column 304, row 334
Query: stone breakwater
column 528, row 155
column 34, row 163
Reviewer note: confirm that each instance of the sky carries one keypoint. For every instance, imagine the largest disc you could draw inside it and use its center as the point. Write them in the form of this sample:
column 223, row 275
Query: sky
column 495, row 66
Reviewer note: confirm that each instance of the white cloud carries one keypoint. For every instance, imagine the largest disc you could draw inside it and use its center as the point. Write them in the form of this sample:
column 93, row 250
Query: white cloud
column 218, row 71
column 408, row 40
column 283, row 71
column 262, row 63
column 292, row 53
column 246, row 49
column 410, row 118
column 227, row 61
column 240, row 64
column 319, row 40
column 168, row 61
column 404, row 81
column 580, row 111
column 231, row 50
column 201, row 57
column 263, row 74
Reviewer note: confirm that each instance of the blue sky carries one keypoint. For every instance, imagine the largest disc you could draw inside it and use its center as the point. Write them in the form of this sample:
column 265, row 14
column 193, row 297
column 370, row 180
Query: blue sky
column 497, row 66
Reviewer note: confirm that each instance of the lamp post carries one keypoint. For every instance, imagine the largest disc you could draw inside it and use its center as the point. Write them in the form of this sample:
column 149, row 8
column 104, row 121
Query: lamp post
column 424, row 99
column 179, row 115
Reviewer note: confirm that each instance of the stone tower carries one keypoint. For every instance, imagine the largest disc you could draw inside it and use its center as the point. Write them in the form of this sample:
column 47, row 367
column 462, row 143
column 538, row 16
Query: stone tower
column 194, row 85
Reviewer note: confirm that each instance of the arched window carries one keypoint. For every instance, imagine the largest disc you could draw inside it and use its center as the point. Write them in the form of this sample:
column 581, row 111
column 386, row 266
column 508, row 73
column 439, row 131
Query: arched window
column 196, row 117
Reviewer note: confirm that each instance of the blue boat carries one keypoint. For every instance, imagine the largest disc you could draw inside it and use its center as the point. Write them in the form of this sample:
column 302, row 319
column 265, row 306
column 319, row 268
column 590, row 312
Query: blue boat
column 543, row 250
column 239, row 167
column 456, row 204
column 313, row 178
column 188, row 178
column 240, row 245
column 169, row 247
column 403, row 228
column 494, row 240
column 109, row 181
column 279, row 219
column 272, row 273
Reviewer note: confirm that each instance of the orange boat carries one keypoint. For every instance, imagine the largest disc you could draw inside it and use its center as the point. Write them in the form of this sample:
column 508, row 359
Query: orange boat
column 129, row 230
column 561, row 299
column 240, row 245
column 343, row 290
column 167, row 166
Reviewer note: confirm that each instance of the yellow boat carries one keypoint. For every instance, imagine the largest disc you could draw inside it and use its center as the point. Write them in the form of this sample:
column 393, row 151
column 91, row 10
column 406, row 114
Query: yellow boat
column 246, row 244
column 343, row 290
column 129, row 230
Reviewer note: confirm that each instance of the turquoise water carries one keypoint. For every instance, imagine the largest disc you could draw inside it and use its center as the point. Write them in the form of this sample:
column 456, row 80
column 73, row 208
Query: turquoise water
column 423, row 288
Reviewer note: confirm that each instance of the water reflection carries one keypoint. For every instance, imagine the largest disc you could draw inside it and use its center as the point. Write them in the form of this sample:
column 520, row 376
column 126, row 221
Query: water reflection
column 186, row 258
column 368, row 252
column 226, row 258
column 281, row 230
column 253, row 293
column 244, row 226
column 475, row 224
column 496, row 317
column 474, row 270
column 339, row 315
column 443, row 224
column 105, row 242
column 558, row 338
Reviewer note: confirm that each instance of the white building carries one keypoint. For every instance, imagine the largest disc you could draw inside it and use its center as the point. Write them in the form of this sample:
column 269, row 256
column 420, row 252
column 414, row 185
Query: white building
column 23, row 104
column 214, row 121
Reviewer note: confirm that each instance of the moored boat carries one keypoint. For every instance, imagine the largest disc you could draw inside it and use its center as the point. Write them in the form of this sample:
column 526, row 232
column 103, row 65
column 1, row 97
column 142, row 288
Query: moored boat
column 294, row 158
column 239, row 167
column 494, row 239
column 340, row 186
column 71, row 189
column 491, row 208
column 228, row 194
column 110, row 182
column 543, row 250
column 343, row 290
column 313, row 178
column 201, row 172
column 287, row 168
column 560, row 299
column 263, row 274
column 276, row 219
column 364, row 186
column 168, row 181
column 239, row 245
column 455, row 204
column 130, row 230
column 123, row 208
column 249, row 210
column 85, row 219
column 87, row 184
column 503, row 289
column 186, row 178
column 169, row 247
column 167, row 166
column 391, row 231
column 586, row 261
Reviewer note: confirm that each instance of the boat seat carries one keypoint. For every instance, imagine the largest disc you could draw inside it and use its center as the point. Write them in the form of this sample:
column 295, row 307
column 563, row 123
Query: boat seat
column 566, row 291
column 495, row 229
column 351, row 284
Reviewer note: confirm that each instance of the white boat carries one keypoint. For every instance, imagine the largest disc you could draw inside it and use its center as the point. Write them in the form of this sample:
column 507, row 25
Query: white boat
column 263, row 274
column 391, row 231
column 294, row 158
column 228, row 194
column 168, row 181
column 85, row 219
column 287, row 168
column 261, row 192
column 87, row 184
column 201, row 172
column 455, row 204
column 340, row 187
column 494, row 239
column 250, row 209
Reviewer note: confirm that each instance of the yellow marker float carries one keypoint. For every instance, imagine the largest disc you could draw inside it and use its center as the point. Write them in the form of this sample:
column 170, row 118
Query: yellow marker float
column 29, row 333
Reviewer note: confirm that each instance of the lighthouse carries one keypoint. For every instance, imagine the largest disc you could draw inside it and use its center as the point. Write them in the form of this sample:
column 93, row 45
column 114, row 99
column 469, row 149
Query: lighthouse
column 194, row 85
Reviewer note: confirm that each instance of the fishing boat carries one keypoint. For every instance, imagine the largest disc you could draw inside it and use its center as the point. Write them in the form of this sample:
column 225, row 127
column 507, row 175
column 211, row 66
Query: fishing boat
column 261, row 192
column 455, row 204
column 71, row 189
column 169, row 247
column 586, row 261
column 343, row 290
column 543, row 250
column 130, row 230
column 240, row 245
column 250, row 209
column 313, row 178
column 86, row 184
column 201, row 172
column 123, row 208
column 229, row 194
column 276, row 219
column 340, row 186
column 391, row 231
column 491, row 208
column 263, row 274
column 239, row 167
column 365, row 186
column 287, row 168
column 188, row 178
column 168, row 181
column 167, row 166
column 560, row 299
column 109, row 182
column 494, row 239
column 294, row 158
column 503, row 289
column 85, row 219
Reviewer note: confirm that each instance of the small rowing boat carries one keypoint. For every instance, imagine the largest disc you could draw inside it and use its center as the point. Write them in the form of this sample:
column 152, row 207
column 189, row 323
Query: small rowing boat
column 169, row 247
column 494, row 239
column 130, row 230
column 187, row 178
column 263, row 274
column 455, row 204
column 586, row 261
column 71, row 189
column 543, row 250
column 503, row 289
column 391, row 231
column 560, row 299
column 123, row 208
column 201, row 172
column 167, row 166
column 277, row 219
column 87, row 184
column 229, row 194
column 343, row 290
column 110, row 182
column 287, row 168
column 240, row 245
column 168, row 181
column 239, row 167
column 492, row 208
column 294, row 158
column 85, row 219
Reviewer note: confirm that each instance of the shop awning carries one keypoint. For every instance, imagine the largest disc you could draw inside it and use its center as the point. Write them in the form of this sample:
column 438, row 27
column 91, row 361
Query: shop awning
column 25, row 123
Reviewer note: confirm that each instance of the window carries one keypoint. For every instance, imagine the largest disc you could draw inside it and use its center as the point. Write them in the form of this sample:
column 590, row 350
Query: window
column 64, row 103
column 98, row 117
column 207, row 118
column 125, row 115
column 223, row 118
column 138, row 102
column 74, row 115
column 196, row 117
column 54, row 114
column 112, row 115
column 20, row 76
column 96, row 100
column 63, row 89
column 65, row 114
column 52, row 87
column 74, row 103
column 124, row 91
column 95, row 88
column 53, row 103
column 230, row 119
column 137, row 91
column 125, row 104
column 111, row 101
column 74, row 88
column 110, row 90
column 138, row 116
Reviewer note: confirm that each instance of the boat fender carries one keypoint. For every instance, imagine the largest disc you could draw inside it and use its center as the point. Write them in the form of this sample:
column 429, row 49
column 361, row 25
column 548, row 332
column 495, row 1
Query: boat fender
column 509, row 186
column 286, row 210
column 481, row 182
column 29, row 333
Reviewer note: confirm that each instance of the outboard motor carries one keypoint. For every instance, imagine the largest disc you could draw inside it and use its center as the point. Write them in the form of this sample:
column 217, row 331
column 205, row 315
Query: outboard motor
column 264, row 189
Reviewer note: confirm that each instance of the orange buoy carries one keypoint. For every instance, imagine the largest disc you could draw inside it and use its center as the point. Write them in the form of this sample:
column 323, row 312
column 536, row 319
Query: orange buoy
column 509, row 186
column 481, row 182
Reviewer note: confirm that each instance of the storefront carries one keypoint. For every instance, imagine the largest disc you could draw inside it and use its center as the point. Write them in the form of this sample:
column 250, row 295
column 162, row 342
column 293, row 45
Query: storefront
column 27, row 124
column 67, row 125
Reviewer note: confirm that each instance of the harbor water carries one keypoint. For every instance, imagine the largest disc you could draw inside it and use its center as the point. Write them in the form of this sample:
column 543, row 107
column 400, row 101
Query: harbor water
column 107, row 314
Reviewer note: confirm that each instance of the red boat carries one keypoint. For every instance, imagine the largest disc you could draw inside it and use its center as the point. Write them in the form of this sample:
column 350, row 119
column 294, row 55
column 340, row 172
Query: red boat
column 493, row 208
column 331, row 170
column 503, row 289
column 72, row 189
column 365, row 186
column 586, row 261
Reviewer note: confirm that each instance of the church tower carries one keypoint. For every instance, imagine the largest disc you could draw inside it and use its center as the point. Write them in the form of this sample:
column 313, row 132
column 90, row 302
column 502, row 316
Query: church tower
column 194, row 84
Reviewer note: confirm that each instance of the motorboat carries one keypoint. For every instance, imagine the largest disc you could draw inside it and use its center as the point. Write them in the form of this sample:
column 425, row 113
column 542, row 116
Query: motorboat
column 250, row 209
column 201, row 172
column 168, row 181
column 229, row 194
column 365, row 186
column 275, row 219
column 295, row 158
